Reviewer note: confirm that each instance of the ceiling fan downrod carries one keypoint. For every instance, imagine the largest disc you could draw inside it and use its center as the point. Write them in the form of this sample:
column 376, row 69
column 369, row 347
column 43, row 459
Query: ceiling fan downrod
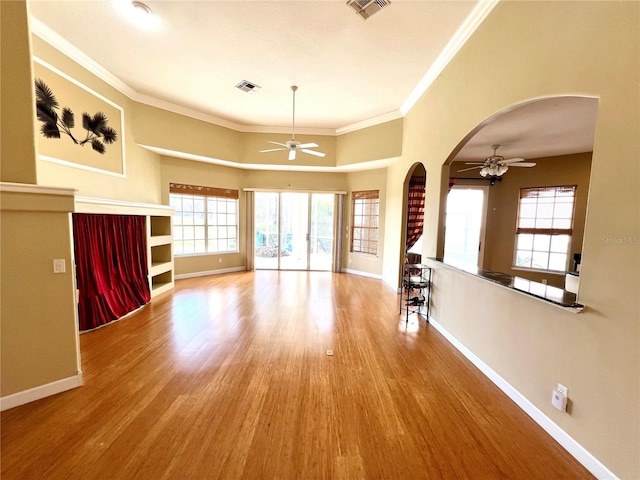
column 293, row 126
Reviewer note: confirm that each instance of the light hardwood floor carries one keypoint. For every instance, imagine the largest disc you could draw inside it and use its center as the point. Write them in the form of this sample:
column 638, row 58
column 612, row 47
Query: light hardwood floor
column 227, row 377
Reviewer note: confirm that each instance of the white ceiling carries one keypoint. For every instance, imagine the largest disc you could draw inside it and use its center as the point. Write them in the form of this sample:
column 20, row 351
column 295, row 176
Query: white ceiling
column 350, row 72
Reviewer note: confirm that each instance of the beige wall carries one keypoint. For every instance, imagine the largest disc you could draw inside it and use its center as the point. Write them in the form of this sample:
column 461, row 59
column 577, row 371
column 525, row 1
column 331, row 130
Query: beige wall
column 39, row 340
column 176, row 170
column 359, row 181
column 533, row 346
column 142, row 174
column 378, row 142
column 199, row 173
column 589, row 48
column 502, row 210
column 17, row 148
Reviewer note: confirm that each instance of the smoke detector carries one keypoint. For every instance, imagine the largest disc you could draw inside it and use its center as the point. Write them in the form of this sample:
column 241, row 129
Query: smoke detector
column 366, row 8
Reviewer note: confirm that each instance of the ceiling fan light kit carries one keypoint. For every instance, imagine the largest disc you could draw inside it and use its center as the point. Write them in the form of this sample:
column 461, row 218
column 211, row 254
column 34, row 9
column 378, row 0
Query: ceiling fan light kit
column 292, row 145
column 496, row 165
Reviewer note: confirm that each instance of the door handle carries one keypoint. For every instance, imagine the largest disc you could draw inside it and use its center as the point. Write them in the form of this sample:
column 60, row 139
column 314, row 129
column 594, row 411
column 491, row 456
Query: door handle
column 307, row 237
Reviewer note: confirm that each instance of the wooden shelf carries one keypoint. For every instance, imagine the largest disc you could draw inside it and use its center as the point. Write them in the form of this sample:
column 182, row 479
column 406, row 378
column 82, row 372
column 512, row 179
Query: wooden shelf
column 160, row 252
column 159, row 268
column 160, row 240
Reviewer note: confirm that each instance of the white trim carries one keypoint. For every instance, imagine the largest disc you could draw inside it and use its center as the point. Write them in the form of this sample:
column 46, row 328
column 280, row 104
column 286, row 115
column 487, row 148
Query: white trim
column 35, row 189
column 42, row 391
column 52, row 38
column 80, row 166
column 362, row 274
column 210, row 272
column 74, row 53
column 166, row 209
column 279, row 190
column 563, row 438
column 370, row 122
column 471, row 23
column 291, row 167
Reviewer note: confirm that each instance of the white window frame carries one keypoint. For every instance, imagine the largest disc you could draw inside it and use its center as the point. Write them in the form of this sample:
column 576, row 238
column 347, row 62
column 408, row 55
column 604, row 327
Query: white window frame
column 372, row 196
column 209, row 227
column 540, row 218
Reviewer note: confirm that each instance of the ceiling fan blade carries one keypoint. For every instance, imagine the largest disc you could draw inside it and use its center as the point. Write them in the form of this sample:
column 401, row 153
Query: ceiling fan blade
column 512, row 160
column 311, row 152
column 273, row 150
column 527, row 164
column 470, row 168
column 308, row 145
column 281, row 144
column 292, row 154
column 474, row 163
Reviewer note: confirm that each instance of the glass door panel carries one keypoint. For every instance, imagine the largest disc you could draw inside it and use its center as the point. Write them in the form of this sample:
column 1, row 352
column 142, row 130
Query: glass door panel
column 294, row 231
column 321, row 229
column 294, row 237
column 266, row 227
column 464, row 226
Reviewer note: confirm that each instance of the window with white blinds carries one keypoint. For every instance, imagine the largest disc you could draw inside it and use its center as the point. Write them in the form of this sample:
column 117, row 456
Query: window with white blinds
column 365, row 211
column 545, row 226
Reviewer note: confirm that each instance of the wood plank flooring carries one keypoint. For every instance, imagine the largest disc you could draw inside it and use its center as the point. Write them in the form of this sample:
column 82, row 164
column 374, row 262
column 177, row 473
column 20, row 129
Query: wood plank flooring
column 227, row 377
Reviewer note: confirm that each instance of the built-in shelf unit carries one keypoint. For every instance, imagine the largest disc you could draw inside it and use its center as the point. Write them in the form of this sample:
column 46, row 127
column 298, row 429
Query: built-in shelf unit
column 160, row 253
column 159, row 238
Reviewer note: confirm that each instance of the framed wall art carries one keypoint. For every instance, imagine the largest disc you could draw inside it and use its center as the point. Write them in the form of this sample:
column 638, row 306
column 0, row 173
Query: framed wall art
column 76, row 126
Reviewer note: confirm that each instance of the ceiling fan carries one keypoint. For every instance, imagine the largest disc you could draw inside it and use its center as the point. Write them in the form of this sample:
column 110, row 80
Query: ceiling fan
column 292, row 145
column 496, row 165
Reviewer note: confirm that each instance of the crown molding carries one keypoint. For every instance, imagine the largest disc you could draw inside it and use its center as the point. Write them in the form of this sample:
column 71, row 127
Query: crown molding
column 471, row 23
column 74, row 53
column 292, row 166
column 386, row 117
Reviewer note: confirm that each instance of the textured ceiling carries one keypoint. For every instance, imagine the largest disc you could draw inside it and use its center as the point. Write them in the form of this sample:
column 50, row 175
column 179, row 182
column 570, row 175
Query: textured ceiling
column 350, row 72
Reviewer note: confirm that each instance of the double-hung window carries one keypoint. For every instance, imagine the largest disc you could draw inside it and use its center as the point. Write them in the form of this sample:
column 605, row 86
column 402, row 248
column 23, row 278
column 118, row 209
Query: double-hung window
column 545, row 225
column 205, row 219
column 365, row 208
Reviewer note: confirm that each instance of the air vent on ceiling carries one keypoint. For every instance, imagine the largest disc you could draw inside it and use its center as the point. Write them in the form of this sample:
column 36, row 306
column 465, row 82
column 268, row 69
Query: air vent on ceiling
column 248, row 87
column 366, row 8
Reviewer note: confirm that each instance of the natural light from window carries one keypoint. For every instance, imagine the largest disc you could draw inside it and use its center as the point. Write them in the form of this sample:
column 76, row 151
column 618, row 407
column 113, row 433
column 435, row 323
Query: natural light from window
column 545, row 220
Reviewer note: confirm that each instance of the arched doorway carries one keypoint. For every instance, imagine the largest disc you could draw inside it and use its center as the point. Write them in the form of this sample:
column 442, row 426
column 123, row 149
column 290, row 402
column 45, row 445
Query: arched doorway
column 553, row 137
column 413, row 218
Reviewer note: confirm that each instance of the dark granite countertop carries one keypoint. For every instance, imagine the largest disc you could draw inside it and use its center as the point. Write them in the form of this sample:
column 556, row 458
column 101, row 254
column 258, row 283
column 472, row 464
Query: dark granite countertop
column 544, row 292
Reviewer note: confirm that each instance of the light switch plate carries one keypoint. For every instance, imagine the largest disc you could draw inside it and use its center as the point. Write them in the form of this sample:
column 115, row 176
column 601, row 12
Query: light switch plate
column 59, row 265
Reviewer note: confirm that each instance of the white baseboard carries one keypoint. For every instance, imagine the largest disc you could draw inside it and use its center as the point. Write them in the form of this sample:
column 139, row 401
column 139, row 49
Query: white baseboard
column 362, row 274
column 563, row 438
column 42, row 391
column 206, row 273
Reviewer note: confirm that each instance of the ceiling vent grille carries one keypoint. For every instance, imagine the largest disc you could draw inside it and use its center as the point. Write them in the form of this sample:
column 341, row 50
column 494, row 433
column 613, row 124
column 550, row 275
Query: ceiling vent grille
column 366, row 8
column 248, row 87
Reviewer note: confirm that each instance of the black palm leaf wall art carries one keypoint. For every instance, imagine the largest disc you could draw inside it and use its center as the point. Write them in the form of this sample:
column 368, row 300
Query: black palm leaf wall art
column 54, row 123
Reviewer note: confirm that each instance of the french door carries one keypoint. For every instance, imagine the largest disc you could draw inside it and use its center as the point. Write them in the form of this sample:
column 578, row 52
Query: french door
column 294, row 231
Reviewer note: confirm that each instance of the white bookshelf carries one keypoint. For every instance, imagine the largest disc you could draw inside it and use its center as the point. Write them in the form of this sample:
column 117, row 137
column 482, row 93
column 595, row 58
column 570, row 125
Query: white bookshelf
column 159, row 235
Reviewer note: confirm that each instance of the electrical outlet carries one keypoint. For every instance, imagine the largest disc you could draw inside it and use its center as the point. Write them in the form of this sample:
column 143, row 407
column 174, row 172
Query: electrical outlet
column 219, row 260
column 563, row 390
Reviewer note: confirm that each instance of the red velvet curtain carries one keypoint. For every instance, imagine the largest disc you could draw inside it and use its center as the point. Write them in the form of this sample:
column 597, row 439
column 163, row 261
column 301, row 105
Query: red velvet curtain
column 415, row 211
column 111, row 266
